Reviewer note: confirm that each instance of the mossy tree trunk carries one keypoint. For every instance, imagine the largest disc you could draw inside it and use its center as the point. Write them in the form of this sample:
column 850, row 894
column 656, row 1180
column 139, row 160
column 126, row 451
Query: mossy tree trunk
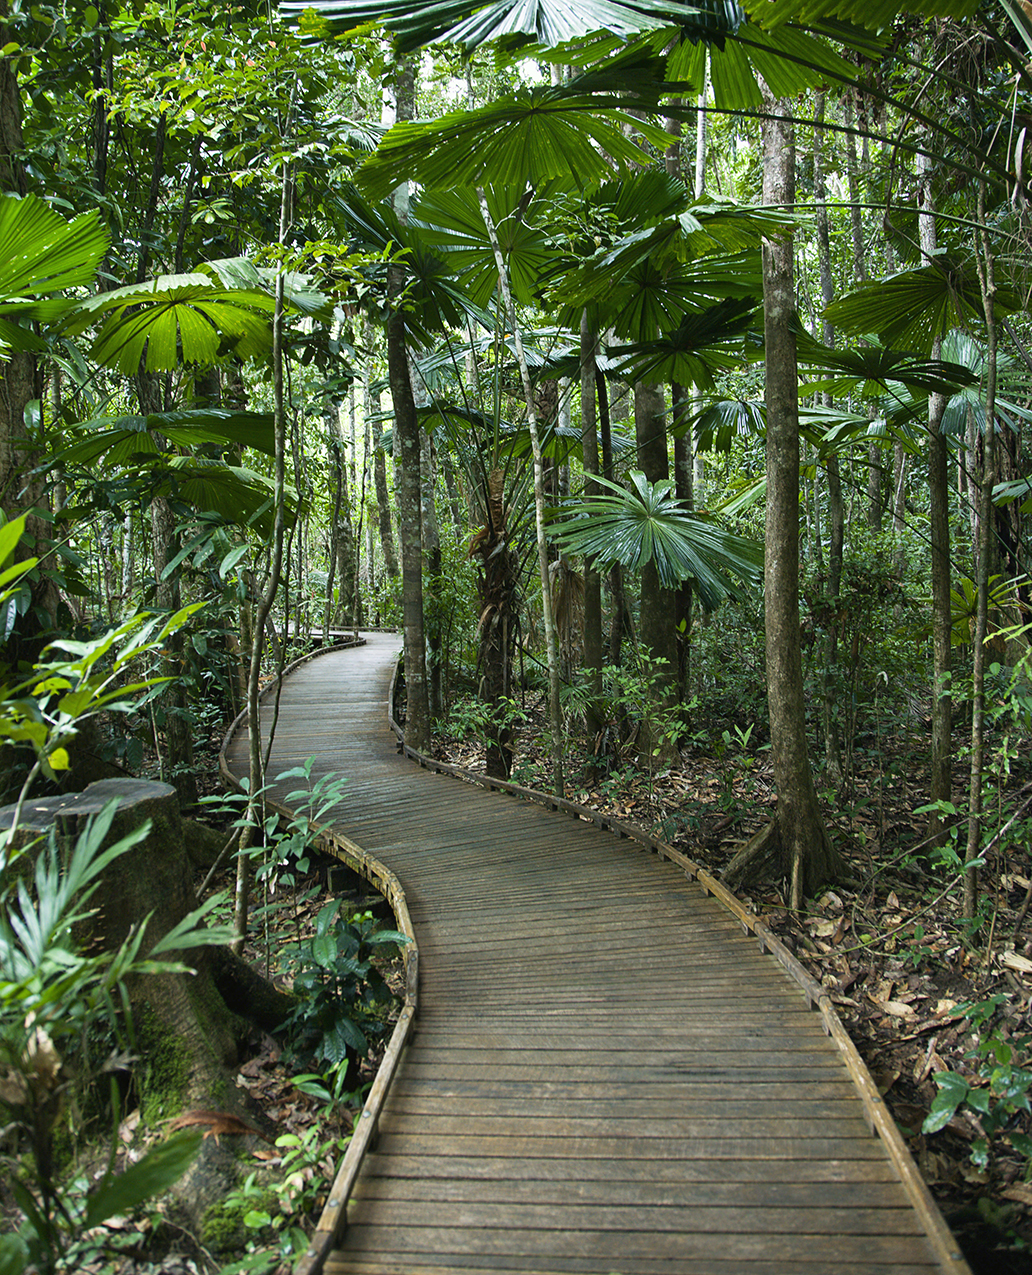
column 188, row 1027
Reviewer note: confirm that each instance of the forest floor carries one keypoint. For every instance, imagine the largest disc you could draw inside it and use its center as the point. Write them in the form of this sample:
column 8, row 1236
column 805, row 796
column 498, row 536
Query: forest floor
column 885, row 941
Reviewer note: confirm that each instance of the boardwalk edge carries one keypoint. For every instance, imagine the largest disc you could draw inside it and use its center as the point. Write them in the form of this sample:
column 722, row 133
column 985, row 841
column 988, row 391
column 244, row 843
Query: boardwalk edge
column 941, row 1239
column 333, row 1219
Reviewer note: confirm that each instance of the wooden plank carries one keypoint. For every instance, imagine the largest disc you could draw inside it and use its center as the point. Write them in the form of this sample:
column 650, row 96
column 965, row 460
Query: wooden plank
column 833, row 1196
column 607, row 1072
column 623, row 1247
column 466, row 1264
column 606, row 1218
column 745, row 1147
column 513, row 1169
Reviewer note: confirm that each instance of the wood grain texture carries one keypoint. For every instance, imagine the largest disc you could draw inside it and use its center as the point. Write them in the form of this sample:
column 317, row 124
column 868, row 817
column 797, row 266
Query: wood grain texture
column 605, row 1074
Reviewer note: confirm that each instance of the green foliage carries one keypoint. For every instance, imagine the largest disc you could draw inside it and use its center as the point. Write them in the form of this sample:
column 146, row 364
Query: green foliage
column 263, row 1219
column 41, row 254
column 634, row 697
column 45, row 710
column 533, row 137
column 996, row 1090
column 648, row 524
column 54, row 996
column 343, row 998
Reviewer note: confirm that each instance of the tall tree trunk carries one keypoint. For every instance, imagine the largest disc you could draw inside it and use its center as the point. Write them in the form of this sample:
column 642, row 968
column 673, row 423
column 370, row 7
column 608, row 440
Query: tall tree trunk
column 836, row 508
column 797, row 837
column 551, row 647
column 684, row 489
column 407, row 483
column 432, row 553
column 684, row 483
column 700, row 135
column 383, row 503
column 940, row 787
column 658, row 605
column 256, row 766
column 592, row 577
column 983, row 564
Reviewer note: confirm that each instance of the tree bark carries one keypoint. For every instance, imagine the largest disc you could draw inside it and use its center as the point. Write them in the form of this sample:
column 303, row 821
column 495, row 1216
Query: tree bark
column 940, row 788
column 407, row 482
column 383, row 501
column 983, row 566
column 658, row 605
column 592, row 578
column 836, row 507
column 551, row 647
column 804, row 849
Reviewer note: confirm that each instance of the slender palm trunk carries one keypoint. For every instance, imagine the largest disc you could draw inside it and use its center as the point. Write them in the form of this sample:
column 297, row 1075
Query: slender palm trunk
column 800, row 839
column 939, row 543
column 408, row 485
column 551, row 646
column 256, row 768
column 983, row 567
column 592, row 577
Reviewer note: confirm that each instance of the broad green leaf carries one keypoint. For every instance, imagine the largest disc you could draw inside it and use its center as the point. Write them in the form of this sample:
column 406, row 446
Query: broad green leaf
column 703, row 345
column 718, row 424
column 10, row 536
column 910, row 309
column 528, row 139
column 324, row 950
column 450, row 221
column 543, row 22
column 124, row 440
column 150, row 1177
column 14, row 1255
column 648, row 523
column 953, row 1091
column 875, row 15
column 165, row 325
column 41, row 253
column 872, row 369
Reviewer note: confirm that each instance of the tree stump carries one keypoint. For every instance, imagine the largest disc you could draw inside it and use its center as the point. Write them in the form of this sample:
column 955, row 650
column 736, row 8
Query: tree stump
column 188, row 1027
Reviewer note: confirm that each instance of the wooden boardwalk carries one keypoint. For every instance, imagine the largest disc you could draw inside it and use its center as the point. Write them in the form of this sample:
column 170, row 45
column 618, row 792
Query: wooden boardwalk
column 606, row 1075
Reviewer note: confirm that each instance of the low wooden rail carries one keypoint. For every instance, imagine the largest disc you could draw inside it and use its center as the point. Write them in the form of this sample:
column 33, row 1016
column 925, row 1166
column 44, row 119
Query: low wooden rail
column 878, row 1115
column 332, row 841
column 943, row 1250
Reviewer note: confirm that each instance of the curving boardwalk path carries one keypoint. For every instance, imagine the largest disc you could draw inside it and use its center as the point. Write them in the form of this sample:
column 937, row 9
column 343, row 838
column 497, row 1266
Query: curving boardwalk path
column 606, row 1074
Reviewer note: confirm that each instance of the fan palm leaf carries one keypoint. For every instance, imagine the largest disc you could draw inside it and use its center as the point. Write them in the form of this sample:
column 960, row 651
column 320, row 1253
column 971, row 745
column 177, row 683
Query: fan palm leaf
column 126, row 440
column 705, row 343
column 871, row 369
column 224, row 307
column 530, row 138
column 543, row 22
column 910, row 309
column 649, row 524
column 450, row 221
column 42, row 254
column 875, row 15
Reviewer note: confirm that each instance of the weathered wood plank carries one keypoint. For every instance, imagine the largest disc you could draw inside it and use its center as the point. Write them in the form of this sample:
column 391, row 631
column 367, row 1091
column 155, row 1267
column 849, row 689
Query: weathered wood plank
column 606, row 1073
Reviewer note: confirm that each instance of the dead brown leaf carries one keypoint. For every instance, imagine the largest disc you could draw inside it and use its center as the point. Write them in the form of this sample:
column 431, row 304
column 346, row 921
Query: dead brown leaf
column 218, row 1122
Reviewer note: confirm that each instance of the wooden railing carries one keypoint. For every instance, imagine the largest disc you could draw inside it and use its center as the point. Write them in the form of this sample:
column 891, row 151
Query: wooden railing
column 334, row 1217
column 330, row 841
